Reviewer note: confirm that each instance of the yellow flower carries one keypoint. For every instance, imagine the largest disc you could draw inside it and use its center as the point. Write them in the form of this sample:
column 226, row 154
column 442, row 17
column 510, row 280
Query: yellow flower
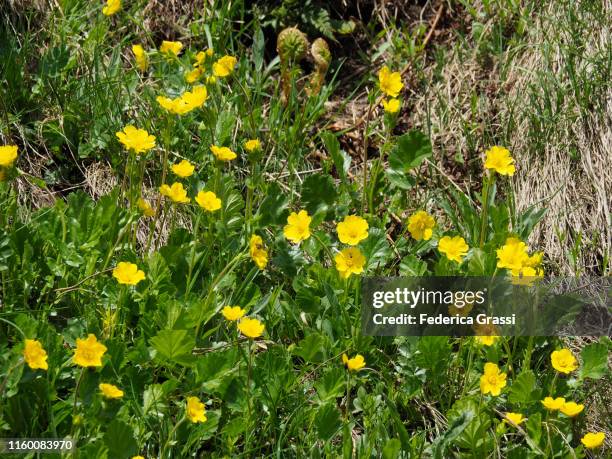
column 454, row 248
column 298, row 227
column 138, row 457
column 142, row 61
column 534, row 260
column 135, row 139
column 258, row 252
column 208, row 200
column 145, row 207
column 233, row 313
column 500, row 160
column 493, row 380
column 183, row 169
column 421, row 225
column 391, row 106
column 211, row 79
column 349, row 261
column 112, row 6
column 224, row 66
column 223, row 153
column 252, row 145
column 89, row 352
column 593, row 440
column 515, row 418
column 353, row 364
column 572, row 409
column 193, row 75
column 8, row 155
column 128, row 273
column 110, row 391
column 34, row 355
column 251, row 328
column 201, row 57
column 171, row 47
column 563, row 361
column 553, row 404
column 193, row 99
column 487, row 340
column 196, row 412
column 512, row 255
column 352, row 230
column 176, row 192
column 390, row 82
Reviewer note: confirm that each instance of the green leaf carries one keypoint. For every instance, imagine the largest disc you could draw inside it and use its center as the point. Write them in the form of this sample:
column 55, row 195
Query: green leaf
column 454, row 430
column 342, row 161
column 273, row 209
column 594, row 361
column 331, row 385
column 318, row 193
column 409, row 152
column 523, row 389
column 327, row 421
column 119, row 440
column 391, row 449
column 312, row 348
column 174, row 345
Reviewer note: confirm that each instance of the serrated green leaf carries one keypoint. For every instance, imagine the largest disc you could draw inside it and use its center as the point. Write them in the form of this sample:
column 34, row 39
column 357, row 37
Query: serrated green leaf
column 174, row 345
column 594, row 361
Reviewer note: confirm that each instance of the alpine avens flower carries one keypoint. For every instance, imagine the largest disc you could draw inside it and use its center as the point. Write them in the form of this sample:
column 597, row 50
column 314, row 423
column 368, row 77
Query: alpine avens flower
column 258, row 252
column 110, row 391
column 171, row 47
column 571, row 409
column 353, row 364
column 8, row 155
column 512, row 255
column 194, row 75
column 487, row 340
column 349, row 261
column 515, row 418
column 142, row 61
column 352, row 230
column 146, row 208
column 208, row 200
column 500, row 160
column 196, row 411
column 89, row 352
column 35, row 355
column 233, row 313
column 563, row 361
column 421, row 225
column 391, row 106
column 298, row 227
column 224, row 66
column 593, row 440
column 454, row 248
column 202, row 56
column 252, row 145
column 137, row 140
column 493, row 380
column 223, row 153
column 128, row 273
column 251, row 328
column 183, row 169
column 390, row 82
column 112, row 6
column 195, row 98
column 553, row 404
column 176, row 192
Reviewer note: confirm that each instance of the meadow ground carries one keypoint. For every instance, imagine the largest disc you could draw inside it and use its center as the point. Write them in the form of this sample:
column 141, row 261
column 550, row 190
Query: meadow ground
column 192, row 192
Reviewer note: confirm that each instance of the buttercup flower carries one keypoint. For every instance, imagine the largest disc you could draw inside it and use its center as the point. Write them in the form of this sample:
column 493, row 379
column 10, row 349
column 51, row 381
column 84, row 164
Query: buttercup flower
column 493, row 380
column 145, row 207
column 352, row 230
column 571, row 409
column 512, row 255
column 138, row 457
column 194, row 75
column 489, row 340
column 112, row 6
column 110, row 391
column 208, row 200
column 593, row 440
column 35, row 355
column 201, row 57
column 128, row 273
column 563, row 361
column 500, row 160
column 223, row 153
column 421, row 225
column 224, row 66
column 233, row 313
column 8, row 155
column 171, row 47
column 252, row 145
column 258, row 252
column 298, row 227
column 196, row 412
column 193, row 99
column 390, row 82
column 391, row 105
column 135, row 139
column 516, row 418
column 89, row 352
column 176, row 192
column 349, row 261
column 251, row 328
column 353, row 364
column 183, row 169
column 553, row 404
column 454, row 248
column 142, row 61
